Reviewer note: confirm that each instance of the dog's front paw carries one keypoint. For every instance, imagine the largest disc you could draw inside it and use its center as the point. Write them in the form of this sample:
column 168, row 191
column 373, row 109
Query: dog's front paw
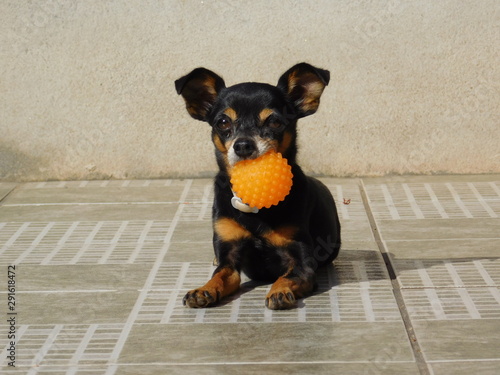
column 280, row 299
column 224, row 282
column 200, row 298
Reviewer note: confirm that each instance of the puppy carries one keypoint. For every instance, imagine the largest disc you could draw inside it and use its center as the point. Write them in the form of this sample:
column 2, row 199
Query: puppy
column 284, row 244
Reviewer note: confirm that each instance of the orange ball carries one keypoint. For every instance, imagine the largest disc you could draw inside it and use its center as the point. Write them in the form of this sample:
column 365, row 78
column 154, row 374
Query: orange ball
column 262, row 182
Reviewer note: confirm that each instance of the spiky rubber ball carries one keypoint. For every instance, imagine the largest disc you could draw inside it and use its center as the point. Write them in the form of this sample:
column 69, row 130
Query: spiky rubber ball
column 262, row 182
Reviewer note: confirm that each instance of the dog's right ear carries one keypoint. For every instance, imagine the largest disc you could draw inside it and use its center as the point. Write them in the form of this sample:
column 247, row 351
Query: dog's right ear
column 199, row 89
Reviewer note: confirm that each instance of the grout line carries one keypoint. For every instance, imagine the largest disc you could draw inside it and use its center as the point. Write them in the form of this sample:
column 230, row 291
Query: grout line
column 361, row 273
column 226, row 364
column 60, row 244
column 469, row 303
column 140, row 242
column 172, row 301
column 435, row 201
column 481, row 200
column 35, row 243
column 413, row 202
column 334, row 298
column 235, row 310
column 87, row 243
column 21, row 330
column 334, row 302
column 420, row 359
column 367, row 304
column 464, row 360
column 205, row 202
column 475, row 239
column 388, row 201
column 14, row 237
column 495, row 188
column 46, row 346
column 424, row 275
column 302, row 314
column 48, row 291
column 200, row 315
column 435, row 302
column 268, row 313
column 495, row 293
column 455, row 277
column 484, row 274
column 84, row 343
column 460, row 203
column 114, row 242
column 94, row 203
column 263, row 363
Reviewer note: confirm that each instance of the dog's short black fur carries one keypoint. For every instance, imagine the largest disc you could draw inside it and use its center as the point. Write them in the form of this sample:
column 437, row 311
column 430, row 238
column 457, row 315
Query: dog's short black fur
column 286, row 243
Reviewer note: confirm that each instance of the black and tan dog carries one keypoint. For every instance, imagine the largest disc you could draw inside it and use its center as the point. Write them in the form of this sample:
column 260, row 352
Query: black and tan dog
column 284, row 244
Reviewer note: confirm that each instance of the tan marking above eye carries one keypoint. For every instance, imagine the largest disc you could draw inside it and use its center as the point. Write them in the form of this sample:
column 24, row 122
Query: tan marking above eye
column 264, row 114
column 231, row 113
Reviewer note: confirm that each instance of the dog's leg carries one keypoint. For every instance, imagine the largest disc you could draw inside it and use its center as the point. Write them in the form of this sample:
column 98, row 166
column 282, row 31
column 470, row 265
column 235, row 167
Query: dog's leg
column 228, row 240
column 286, row 290
column 299, row 280
column 224, row 282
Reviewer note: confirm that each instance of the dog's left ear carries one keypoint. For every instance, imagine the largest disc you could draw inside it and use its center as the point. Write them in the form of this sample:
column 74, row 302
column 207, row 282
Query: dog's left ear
column 304, row 84
column 199, row 89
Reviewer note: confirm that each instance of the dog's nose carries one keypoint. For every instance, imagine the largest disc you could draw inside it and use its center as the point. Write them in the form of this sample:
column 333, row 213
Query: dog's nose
column 244, row 147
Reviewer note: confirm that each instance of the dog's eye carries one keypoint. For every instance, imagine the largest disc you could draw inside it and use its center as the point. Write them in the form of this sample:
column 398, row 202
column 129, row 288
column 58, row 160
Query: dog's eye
column 273, row 122
column 223, row 124
column 275, row 125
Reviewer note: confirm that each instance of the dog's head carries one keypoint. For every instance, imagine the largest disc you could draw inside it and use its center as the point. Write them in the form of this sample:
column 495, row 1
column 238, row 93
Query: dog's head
column 249, row 119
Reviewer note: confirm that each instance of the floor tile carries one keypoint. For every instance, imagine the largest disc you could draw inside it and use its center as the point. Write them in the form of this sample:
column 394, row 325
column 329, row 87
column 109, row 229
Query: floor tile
column 55, row 349
column 460, row 199
column 76, row 307
column 466, row 367
column 191, row 251
column 377, row 366
column 459, row 339
column 193, row 231
column 434, row 179
column 449, row 273
column 87, row 212
column 71, row 277
column 357, row 231
column 453, row 303
column 473, row 248
column 214, row 343
column 83, row 242
column 440, row 229
column 102, row 267
column 26, row 195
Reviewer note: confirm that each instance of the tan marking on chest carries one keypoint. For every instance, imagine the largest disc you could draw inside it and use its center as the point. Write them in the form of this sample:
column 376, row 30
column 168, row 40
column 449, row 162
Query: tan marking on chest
column 230, row 230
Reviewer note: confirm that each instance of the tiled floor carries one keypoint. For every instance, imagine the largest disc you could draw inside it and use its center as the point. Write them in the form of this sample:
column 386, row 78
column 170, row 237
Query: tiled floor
column 102, row 266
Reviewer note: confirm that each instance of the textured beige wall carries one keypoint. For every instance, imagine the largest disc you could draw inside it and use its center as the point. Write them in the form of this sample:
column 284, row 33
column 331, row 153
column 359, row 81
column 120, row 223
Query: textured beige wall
column 86, row 87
